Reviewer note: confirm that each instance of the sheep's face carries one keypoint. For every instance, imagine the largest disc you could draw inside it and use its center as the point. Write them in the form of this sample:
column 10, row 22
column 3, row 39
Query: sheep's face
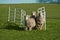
column 40, row 13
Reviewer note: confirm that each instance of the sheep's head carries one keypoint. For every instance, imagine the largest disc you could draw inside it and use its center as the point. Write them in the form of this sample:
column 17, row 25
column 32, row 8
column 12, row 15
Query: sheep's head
column 40, row 13
column 33, row 13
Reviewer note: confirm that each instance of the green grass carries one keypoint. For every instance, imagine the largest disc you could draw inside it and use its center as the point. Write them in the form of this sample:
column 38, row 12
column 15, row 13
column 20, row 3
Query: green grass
column 52, row 33
column 53, row 23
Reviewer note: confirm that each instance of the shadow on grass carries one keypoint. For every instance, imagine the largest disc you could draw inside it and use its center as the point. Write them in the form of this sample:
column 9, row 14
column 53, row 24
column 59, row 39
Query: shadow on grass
column 12, row 26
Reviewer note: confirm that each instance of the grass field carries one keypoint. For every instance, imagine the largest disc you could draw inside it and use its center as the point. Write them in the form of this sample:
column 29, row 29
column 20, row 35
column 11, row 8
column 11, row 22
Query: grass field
column 53, row 23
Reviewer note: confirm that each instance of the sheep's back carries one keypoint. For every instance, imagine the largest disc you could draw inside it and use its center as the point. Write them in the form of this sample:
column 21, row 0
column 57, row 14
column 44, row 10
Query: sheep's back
column 33, row 23
column 30, row 22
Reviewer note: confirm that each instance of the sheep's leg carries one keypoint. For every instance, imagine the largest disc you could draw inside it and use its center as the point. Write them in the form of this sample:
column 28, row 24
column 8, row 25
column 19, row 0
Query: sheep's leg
column 38, row 27
column 41, row 27
column 30, row 28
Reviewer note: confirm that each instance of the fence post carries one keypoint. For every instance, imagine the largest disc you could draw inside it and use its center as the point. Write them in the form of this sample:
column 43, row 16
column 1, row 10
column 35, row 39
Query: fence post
column 15, row 15
column 9, row 14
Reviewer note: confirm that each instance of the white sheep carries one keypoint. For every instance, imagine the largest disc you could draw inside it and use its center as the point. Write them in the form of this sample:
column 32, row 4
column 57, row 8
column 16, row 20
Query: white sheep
column 30, row 22
column 39, row 20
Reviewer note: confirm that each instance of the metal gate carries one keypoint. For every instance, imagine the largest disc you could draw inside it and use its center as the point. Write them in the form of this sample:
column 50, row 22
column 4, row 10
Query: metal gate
column 17, row 16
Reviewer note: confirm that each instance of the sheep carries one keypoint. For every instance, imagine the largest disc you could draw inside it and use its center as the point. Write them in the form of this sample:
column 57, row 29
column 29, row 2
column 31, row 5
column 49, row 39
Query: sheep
column 39, row 20
column 29, row 22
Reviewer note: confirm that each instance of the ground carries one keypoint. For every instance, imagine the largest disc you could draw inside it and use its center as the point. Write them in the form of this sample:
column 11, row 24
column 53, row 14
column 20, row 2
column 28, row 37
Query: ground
column 53, row 23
